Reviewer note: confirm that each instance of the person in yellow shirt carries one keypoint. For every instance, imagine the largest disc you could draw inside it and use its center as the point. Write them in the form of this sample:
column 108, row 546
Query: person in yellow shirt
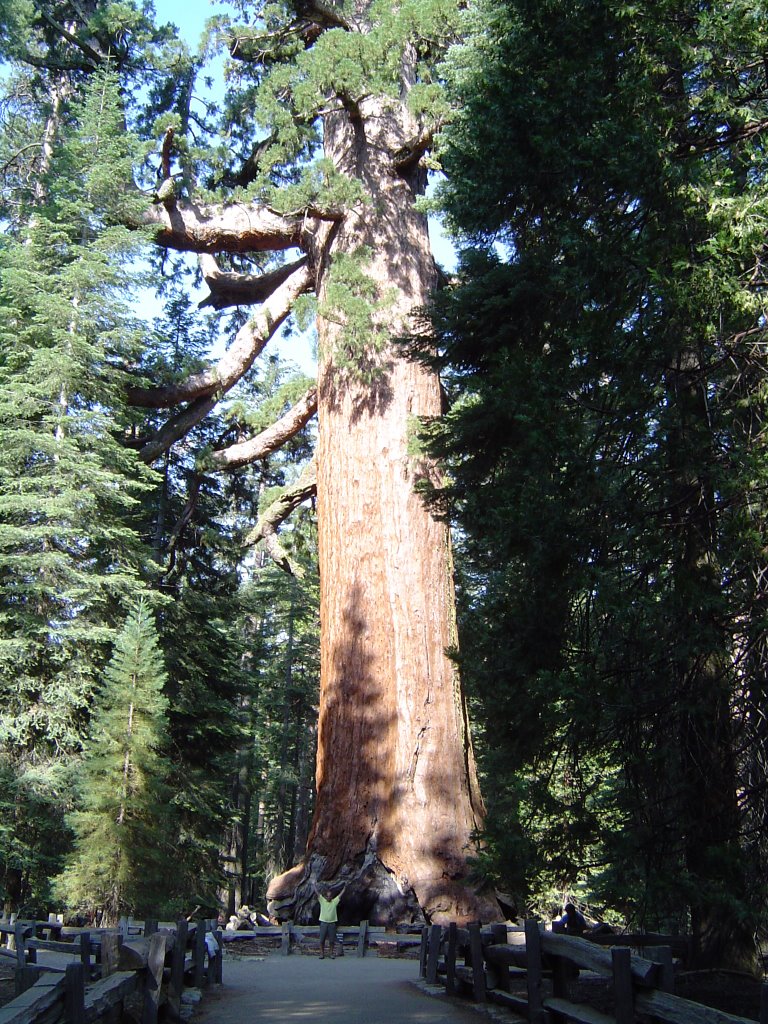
column 328, row 917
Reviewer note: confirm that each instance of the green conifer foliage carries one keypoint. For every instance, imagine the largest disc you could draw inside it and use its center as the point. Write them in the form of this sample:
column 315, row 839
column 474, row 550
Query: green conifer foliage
column 70, row 552
column 607, row 347
column 124, row 828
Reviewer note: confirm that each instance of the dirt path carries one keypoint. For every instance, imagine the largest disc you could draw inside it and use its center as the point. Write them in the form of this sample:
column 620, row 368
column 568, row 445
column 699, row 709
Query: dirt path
column 307, row 990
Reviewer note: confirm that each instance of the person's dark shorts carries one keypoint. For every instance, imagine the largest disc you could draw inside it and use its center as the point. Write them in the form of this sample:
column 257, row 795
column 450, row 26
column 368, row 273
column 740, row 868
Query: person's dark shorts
column 328, row 931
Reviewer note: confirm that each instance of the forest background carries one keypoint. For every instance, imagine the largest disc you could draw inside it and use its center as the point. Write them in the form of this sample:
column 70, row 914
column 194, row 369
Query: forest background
column 602, row 349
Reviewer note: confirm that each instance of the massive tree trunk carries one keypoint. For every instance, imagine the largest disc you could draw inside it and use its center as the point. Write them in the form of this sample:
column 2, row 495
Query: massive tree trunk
column 397, row 797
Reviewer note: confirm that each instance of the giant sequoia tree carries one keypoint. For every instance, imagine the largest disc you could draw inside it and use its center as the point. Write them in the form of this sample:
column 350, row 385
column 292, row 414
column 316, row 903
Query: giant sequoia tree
column 325, row 161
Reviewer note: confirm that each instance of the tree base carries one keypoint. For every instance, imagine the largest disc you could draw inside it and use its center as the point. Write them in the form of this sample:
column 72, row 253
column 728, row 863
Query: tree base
column 371, row 894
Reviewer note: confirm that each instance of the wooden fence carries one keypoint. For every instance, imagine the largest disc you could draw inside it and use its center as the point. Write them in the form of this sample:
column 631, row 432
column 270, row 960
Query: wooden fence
column 289, row 937
column 145, row 966
column 482, row 963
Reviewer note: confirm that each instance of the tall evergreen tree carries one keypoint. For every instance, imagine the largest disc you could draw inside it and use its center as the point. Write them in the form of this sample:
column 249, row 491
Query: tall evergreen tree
column 70, row 553
column 124, row 831
column 605, row 444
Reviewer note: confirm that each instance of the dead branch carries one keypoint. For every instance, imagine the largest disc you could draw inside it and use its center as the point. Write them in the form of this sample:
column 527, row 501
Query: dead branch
column 237, row 360
column 239, row 228
column 266, row 528
column 232, row 289
column 272, row 438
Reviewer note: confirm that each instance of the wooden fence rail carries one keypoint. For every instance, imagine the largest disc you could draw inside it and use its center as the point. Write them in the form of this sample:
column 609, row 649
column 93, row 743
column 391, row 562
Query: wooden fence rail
column 482, row 963
column 147, row 966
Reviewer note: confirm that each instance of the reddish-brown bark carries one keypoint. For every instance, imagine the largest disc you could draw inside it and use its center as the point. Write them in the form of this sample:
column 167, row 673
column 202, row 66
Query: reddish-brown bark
column 397, row 798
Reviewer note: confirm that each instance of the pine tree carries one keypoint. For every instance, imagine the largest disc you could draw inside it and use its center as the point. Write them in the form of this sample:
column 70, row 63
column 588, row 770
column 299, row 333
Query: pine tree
column 124, row 831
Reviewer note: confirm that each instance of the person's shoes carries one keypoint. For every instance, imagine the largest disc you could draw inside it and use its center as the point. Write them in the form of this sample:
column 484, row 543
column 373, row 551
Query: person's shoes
column 322, row 956
column 333, row 956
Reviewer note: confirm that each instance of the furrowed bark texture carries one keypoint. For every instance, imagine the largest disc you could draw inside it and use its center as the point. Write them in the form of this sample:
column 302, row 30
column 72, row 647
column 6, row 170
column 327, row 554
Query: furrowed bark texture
column 397, row 798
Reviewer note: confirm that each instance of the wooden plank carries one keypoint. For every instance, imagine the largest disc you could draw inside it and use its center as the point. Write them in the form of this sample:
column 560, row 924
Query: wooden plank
column 674, row 1010
column 450, row 959
column 579, row 1012
column 133, row 954
column 154, row 978
column 74, row 1000
column 509, row 956
column 108, row 993
column 45, row 995
column 433, row 952
column 624, row 1002
column 362, row 938
column 586, row 954
column 519, row 1004
column 55, row 946
column 477, row 962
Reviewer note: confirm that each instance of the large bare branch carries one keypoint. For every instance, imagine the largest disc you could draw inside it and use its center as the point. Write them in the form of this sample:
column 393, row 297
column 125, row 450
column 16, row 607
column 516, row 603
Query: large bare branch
column 272, row 438
column 266, row 528
column 239, row 228
column 176, row 427
column 232, row 289
column 237, row 360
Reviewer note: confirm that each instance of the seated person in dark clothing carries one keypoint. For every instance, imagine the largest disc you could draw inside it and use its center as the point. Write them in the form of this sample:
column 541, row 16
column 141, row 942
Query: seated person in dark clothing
column 572, row 922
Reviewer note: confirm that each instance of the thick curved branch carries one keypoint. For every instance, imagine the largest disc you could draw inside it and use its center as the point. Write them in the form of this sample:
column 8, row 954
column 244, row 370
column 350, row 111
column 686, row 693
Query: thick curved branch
column 406, row 158
column 237, row 360
column 272, row 438
column 176, row 427
column 239, row 228
column 266, row 528
column 231, row 289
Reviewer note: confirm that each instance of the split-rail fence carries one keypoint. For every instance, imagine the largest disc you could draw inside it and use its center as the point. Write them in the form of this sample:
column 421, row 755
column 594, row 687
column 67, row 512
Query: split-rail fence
column 146, row 966
column 482, row 963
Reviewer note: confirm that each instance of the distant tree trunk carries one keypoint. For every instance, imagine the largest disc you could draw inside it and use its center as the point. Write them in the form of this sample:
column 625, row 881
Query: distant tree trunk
column 709, row 812
column 397, row 796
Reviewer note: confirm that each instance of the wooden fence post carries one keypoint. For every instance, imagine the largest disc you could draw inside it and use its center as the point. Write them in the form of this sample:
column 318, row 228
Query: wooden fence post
column 85, row 952
column 218, row 963
column 764, row 1003
column 362, row 939
column 450, row 958
column 176, row 985
column 25, row 978
column 662, row 955
column 433, row 953
column 423, row 953
column 285, row 940
column 18, row 940
column 110, row 952
column 150, row 927
column 533, row 976
column 199, row 954
column 624, row 1000
column 74, row 1012
column 499, row 973
column 154, row 978
column 478, row 964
